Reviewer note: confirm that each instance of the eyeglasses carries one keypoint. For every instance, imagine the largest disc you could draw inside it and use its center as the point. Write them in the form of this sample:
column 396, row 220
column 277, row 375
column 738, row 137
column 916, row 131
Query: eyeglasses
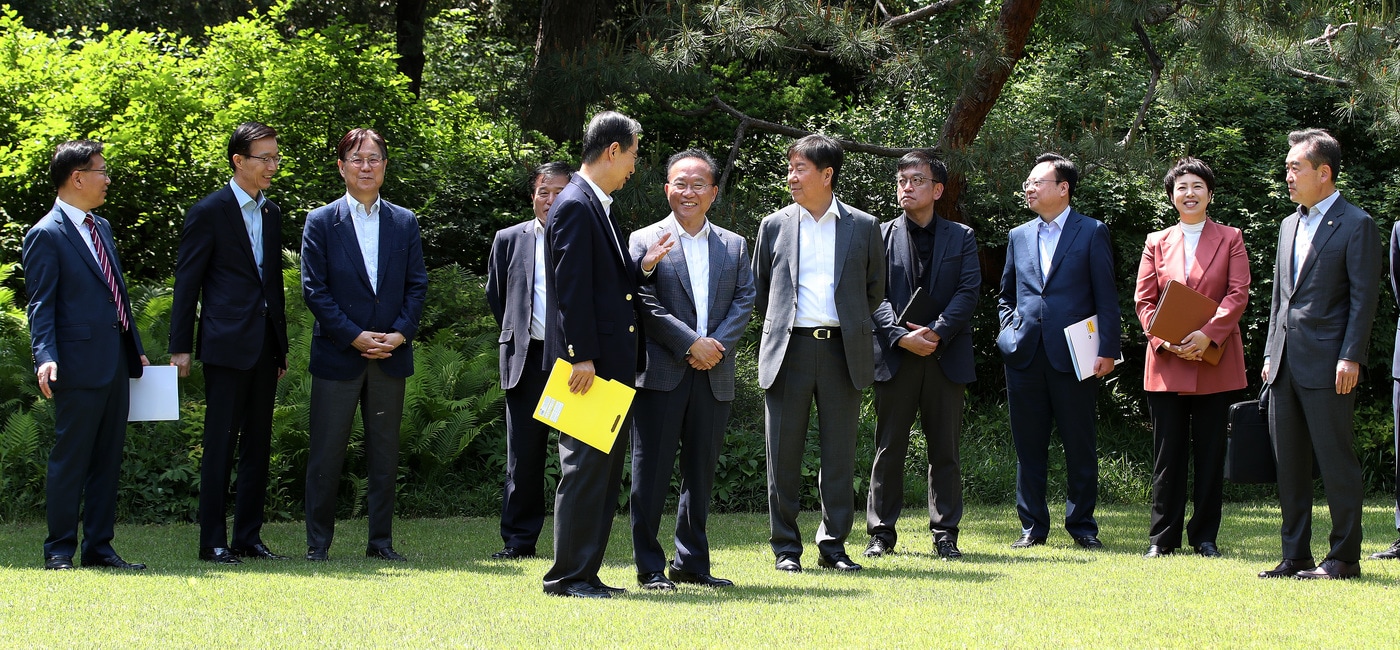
column 102, row 171
column 911, row 181
column 694, row 187
column 1026, row 186
column 272, row 161
column 372, row 161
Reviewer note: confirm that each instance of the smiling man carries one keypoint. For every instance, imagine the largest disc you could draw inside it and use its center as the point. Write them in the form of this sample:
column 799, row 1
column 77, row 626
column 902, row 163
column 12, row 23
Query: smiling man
column 230, row 265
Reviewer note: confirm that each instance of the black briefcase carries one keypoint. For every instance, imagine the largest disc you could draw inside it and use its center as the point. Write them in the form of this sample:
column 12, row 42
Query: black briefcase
column 1249, row 456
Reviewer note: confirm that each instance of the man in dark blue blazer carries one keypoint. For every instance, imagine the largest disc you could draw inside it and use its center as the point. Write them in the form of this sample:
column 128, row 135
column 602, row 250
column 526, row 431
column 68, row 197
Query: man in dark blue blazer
column 230, row 264
column 80, row 318
column 591, row 285
column 363, row 279
column 921, row 368
column 1059, row 271
column 515, row 290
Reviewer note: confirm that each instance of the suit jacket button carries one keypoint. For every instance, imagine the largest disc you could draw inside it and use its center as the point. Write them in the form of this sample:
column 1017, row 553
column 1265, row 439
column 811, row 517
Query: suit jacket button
column 631, row 328
column 628, row 296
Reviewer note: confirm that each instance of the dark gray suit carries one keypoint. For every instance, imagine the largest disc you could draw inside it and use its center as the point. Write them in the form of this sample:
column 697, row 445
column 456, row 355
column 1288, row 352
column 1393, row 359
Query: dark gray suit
column 1395, row 361
column 677, row 405
column 1321, row 318
column 931, row 387
column 794, row 370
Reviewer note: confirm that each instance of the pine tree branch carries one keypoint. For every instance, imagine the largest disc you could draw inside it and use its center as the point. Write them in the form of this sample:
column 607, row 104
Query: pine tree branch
column 1315, row 77
column 1161, row 13
column 922, row 13
column 1155, row 61
column 748, row 122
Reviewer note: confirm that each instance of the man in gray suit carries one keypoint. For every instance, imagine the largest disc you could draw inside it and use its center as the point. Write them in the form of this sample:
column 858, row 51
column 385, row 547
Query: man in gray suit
column 1326, row 281
column 693, row 312
column 819, row 268
column 1393, row 552
column 921, row 367
column 515, row 290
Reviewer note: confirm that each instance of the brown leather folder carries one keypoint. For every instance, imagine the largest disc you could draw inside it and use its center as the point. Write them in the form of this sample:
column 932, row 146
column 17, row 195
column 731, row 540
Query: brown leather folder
column 1183, row 310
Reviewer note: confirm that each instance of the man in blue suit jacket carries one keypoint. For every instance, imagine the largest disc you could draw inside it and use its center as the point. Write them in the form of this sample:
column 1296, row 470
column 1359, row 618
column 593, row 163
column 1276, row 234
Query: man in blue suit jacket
column 363, row 279
column 1059, row 271
column 80, row 318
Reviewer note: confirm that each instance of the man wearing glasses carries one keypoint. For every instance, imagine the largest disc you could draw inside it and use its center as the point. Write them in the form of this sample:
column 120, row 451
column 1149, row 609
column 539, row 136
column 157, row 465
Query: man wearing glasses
column 923, row 361
column 363, row 278
column 694, row 311
column 230, row 263
column 1059, row 271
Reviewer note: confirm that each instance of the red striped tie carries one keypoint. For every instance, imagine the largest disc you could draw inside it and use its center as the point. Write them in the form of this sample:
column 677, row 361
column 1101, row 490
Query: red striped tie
column 106, row 264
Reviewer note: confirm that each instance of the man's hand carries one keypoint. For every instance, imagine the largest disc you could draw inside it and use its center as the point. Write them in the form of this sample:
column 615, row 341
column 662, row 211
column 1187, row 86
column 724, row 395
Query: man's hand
column 1264, row 372
column 181, row 360
column 145, row 361
column 1347, row 374
column 705, row 353
column 47, row 373
column 916, row 340
column 371, row 345
column 581, row 379
column 656, row 252
column 1102, row 366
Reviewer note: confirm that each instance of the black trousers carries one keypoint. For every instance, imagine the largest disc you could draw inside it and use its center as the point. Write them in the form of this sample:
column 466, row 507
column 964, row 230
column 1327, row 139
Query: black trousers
column 1187, row 429
column 333, row 402
column 690, row 419
column 527, row 449
column 85, row 466
column 1037, row 396
column 589, row 484
column 237, row 418
column 919, row 389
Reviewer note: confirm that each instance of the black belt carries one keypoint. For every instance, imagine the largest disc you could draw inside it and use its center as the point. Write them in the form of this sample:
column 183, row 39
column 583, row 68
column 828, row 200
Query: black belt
column 819, row 333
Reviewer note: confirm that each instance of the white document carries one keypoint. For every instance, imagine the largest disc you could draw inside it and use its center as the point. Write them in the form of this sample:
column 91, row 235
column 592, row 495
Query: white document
column 1083, row 339
column 156, row 395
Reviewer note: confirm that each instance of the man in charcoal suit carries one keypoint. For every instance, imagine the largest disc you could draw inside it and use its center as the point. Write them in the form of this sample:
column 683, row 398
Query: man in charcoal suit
column 694, row 311
column 80, row 319
column 1326, row 283
column 1393, row 552
column 515, row 290
column 921, row 367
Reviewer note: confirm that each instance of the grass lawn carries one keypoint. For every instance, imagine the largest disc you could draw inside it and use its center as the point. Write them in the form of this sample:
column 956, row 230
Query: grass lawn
column 451, row 595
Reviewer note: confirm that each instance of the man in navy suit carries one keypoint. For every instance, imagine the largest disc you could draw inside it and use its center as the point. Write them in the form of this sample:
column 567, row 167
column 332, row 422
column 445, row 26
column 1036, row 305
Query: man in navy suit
column 363, row 279
column 1059, row 271
column 694, row 310
column 230, row 263
column 591, row 283
column 516, row 293
column 80, row 318
column 921, row 368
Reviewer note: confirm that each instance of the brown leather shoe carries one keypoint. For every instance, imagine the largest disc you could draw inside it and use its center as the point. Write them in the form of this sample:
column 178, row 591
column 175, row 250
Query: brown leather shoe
column 1331, row 570
column 1288, row 568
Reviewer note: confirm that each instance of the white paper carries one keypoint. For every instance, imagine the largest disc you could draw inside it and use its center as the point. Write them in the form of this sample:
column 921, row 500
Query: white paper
column 1083, row 339
column 156, row 395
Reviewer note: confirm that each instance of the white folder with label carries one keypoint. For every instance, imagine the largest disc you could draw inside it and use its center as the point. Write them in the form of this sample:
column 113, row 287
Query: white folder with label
column 1083, row 339
column 156, row 395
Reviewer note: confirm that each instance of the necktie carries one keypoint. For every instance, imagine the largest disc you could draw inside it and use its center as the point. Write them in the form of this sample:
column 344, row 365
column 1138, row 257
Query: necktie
column 106, row 263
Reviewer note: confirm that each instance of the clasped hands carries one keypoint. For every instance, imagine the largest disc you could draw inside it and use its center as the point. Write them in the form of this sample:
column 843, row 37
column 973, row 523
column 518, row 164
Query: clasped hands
column 920, row 340
column 377, row 345
column 1192, row 348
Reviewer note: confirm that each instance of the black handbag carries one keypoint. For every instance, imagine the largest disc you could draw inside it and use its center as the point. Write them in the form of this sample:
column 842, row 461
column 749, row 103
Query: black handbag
column 1249, row 454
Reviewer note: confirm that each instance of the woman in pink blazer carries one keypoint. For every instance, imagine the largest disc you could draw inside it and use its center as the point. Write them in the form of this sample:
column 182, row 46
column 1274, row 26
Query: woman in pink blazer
column 1187, row 396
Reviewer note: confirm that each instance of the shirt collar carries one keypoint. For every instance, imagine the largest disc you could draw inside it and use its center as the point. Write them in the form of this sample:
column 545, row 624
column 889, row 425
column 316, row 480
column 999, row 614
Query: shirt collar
column 358, row 210
column 243, row 198
column 914, row 225
column 75, row 215
column 680, row 230
column 602, row 196
column 1059, row 219
column 832, row 210
column 1326, row 204
column 539, row 227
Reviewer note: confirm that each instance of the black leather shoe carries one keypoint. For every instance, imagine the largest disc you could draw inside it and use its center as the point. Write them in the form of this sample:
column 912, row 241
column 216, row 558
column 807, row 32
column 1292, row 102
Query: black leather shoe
column 258, row 551
column 1288, row 568
column 317, row 554
column 1207, row 549
column 946, row 549
column 688, row 577
column 58, row 562
column 1158, row 551
column 877, row 547
column 839, row 561
column 611, row 590
column 218, row 555
column 580, row 590
column 1331, row 570
column 788, row 562
column 385, row 553
column 112, row 562
column 655, row 581
column 1028, row 541
column 1392, row 553
column 513, row 553
column 1089, row 541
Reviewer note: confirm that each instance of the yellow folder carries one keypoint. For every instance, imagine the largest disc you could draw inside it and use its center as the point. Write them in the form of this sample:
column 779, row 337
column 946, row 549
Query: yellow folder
column 594, row 417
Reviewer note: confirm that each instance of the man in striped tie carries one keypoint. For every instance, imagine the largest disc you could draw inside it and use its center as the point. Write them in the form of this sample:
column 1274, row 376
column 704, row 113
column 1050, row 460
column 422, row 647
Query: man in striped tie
column 80, row 319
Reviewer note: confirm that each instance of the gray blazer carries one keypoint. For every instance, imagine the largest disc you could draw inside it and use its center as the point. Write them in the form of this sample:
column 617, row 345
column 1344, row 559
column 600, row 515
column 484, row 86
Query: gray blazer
column 1327, row 314
column 860, row 286
column 668, row 307
column 510, row 286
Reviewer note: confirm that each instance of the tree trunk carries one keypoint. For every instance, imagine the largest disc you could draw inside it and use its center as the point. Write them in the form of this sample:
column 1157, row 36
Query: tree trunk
column 557, row 103
column 409, row 18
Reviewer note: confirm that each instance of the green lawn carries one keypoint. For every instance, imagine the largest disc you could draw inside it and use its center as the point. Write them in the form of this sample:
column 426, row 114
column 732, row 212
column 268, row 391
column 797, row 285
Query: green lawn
column 450, row 595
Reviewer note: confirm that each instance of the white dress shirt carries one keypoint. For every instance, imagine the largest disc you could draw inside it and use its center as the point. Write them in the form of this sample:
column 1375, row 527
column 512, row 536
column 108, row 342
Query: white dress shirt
column 1049, row 238
column 607, row 202
column 1307, row 227
column 537, row 303
column 251, row 208
column 816, row 268
column 1191, row 234
column 367, row 232
column 78, row 217
column 696, row 249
